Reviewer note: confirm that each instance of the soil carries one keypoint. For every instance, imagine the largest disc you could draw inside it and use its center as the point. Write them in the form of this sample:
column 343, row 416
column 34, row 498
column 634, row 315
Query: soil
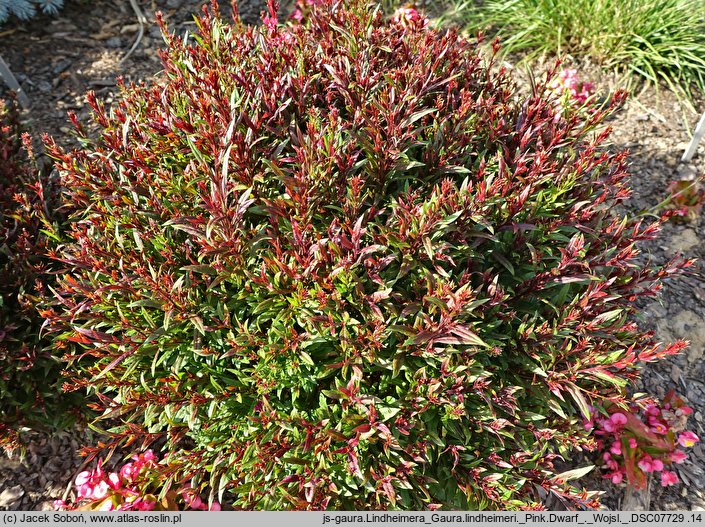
column 56, row 60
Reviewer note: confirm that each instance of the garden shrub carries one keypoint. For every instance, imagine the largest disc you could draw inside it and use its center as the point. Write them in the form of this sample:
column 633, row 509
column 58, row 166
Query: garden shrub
column 29, row 374
column 344, row 265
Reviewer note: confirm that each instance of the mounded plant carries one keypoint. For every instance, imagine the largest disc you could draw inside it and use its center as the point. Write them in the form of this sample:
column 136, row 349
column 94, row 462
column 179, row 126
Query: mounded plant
column 344, row 265
column 29, row 373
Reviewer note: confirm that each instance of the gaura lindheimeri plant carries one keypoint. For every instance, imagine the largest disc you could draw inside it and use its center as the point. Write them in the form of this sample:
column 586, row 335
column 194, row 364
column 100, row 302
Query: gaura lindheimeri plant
column 343, row 265
column 29, row 374
column 130, row 488
column 644, row 439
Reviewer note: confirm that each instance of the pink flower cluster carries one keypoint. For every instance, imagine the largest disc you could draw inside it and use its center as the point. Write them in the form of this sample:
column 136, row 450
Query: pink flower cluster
column 638, row 443
column 567, row 82
column 121, row 490
column 409, row 17
column 302, row 7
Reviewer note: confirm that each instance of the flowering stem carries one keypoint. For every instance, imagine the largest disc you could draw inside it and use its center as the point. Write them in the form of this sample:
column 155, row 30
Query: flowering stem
column 652, row 211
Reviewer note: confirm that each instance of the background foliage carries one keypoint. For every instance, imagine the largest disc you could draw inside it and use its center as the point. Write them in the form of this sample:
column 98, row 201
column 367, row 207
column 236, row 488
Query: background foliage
column 26, row 9
column 658, row 40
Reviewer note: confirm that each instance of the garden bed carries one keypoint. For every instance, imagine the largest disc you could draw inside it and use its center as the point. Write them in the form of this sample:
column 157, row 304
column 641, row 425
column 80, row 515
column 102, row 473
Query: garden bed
column 58, row 59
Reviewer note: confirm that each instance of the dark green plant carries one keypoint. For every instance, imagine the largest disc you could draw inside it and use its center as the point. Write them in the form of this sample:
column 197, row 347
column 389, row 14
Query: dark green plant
column 342, row 265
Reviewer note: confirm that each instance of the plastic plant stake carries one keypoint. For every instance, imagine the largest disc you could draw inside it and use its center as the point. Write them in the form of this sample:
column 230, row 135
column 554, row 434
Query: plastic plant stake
column 697, row 136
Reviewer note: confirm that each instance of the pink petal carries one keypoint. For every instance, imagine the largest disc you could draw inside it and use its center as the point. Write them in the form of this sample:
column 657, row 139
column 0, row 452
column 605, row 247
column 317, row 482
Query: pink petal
column 687, row 439
column 100, row 491
column 618, row 419
column 678, row 456
column 114, row 481
column 668, row 478
column 83, row 477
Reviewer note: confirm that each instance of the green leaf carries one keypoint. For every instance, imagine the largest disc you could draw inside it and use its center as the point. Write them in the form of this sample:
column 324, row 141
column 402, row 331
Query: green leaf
column 203, row 269
column 579, row 399
column 608, row 316
column 198, row 323
column 553, row 405
column 416, row 116
column 387, row 412
column 306, row 358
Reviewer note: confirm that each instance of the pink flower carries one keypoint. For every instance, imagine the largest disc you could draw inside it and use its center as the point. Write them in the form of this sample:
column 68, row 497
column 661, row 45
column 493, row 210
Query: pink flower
column 611, row 463
column 653, row 410
column 193, row 501
column 147, row 458
column 409, row 17
column 632, row 443
column 100, row 491
column 568, row 81
column 59, row 505
column 668, row 478
column 586, row 91
column 107, row 505
column 616, row 478
column 616, row 448
column 678, row 456
column 83, row 482
column 569, row 77
column 297, row 15
column 646, row 463
column 684, row 410
column 686, row 439
column 618, row 419
column 144, row 505
column 128, row 471
column 659, row 428
column 658, row 465
column 615, row 422
column 91, row 485
column 270, row 22
column 215, row 506
column 114, row 481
